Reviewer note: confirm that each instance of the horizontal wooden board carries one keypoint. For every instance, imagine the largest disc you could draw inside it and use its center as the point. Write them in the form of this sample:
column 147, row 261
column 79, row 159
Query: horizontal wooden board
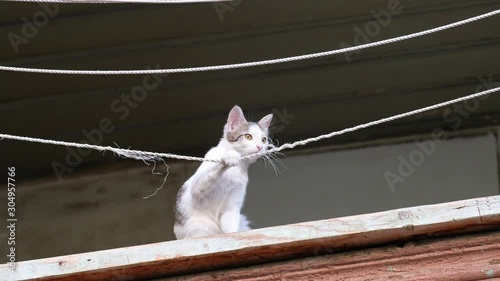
column 266, row 245
column 462, row 258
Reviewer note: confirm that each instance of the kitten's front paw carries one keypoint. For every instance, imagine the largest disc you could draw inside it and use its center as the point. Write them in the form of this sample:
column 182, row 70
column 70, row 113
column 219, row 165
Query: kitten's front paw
column 231, row 158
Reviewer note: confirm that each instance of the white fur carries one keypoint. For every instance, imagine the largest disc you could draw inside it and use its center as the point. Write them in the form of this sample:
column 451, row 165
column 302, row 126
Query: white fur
column 211, row 200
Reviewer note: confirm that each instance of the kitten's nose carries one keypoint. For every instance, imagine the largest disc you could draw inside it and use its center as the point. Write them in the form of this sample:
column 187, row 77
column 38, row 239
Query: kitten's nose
column 259, row 147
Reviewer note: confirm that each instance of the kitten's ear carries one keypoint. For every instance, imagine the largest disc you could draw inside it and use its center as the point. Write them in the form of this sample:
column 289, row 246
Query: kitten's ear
column 265, row 122
column 235, row 118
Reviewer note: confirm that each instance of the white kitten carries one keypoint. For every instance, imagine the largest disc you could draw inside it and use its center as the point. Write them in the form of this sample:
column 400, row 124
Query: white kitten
column 211, row 200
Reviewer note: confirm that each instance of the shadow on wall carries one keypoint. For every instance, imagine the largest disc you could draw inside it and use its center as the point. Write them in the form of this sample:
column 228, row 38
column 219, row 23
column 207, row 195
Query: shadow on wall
column 105, row 209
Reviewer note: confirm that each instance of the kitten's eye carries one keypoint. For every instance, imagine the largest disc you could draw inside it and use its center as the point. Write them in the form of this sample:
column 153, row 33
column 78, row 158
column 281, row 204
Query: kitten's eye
column 248, row 136
column 264, row 139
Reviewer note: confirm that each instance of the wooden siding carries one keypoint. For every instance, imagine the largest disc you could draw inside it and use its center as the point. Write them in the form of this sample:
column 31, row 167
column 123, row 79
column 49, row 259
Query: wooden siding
column 271, row 244
column 462, row 258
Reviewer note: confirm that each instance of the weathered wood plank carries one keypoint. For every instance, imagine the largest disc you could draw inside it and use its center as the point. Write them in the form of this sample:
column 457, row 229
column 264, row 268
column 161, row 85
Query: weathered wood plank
column 460, row 258
column 265, row 245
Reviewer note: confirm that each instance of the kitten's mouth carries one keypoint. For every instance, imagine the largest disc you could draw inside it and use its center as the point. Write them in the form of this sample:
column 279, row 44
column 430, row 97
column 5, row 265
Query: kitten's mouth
column 256, row 154
column 261, row 151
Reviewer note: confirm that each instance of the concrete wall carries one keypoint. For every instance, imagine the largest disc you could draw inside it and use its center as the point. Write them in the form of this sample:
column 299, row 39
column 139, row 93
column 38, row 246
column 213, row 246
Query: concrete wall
column 341, row 183
column 104, row 209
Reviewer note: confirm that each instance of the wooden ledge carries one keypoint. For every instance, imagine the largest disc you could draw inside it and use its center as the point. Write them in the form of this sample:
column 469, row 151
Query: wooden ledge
column 265, row 245
column 469, row 257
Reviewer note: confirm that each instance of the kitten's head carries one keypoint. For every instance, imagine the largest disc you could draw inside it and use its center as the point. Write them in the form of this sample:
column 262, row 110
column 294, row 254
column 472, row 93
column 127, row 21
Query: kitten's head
column 246, row 137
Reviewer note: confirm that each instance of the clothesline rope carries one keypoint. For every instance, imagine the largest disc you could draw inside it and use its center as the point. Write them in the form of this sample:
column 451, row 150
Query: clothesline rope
column 249, row 64
column 147, row 156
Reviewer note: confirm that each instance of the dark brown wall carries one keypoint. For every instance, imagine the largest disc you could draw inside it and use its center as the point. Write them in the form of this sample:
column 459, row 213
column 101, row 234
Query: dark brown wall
column 185, row 113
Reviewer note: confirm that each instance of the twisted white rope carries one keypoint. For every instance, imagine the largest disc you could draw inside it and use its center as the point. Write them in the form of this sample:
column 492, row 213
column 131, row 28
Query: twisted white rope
column 145, row 155
column 380, row 121
column 116, row 1
column 126, row 153
column 249, row 64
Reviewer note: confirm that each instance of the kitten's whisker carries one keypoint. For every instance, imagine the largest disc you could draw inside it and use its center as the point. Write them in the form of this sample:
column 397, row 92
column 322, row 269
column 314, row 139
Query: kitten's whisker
column 274, row 157
column 279, row 154
column 278, row 160
column 276, row 170
column 266, row 157
column 264, row 160
column 268, row 160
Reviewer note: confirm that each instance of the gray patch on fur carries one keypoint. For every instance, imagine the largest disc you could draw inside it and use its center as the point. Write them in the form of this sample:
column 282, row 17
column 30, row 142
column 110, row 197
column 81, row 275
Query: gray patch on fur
column 233, row 136
column 180, row 218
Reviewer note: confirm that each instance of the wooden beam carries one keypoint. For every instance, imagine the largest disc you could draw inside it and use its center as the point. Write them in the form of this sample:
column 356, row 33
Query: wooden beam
column 265, row 245
column 461, row 258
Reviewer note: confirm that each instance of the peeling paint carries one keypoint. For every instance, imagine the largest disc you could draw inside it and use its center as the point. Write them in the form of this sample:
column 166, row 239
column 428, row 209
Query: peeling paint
column 489, row 273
